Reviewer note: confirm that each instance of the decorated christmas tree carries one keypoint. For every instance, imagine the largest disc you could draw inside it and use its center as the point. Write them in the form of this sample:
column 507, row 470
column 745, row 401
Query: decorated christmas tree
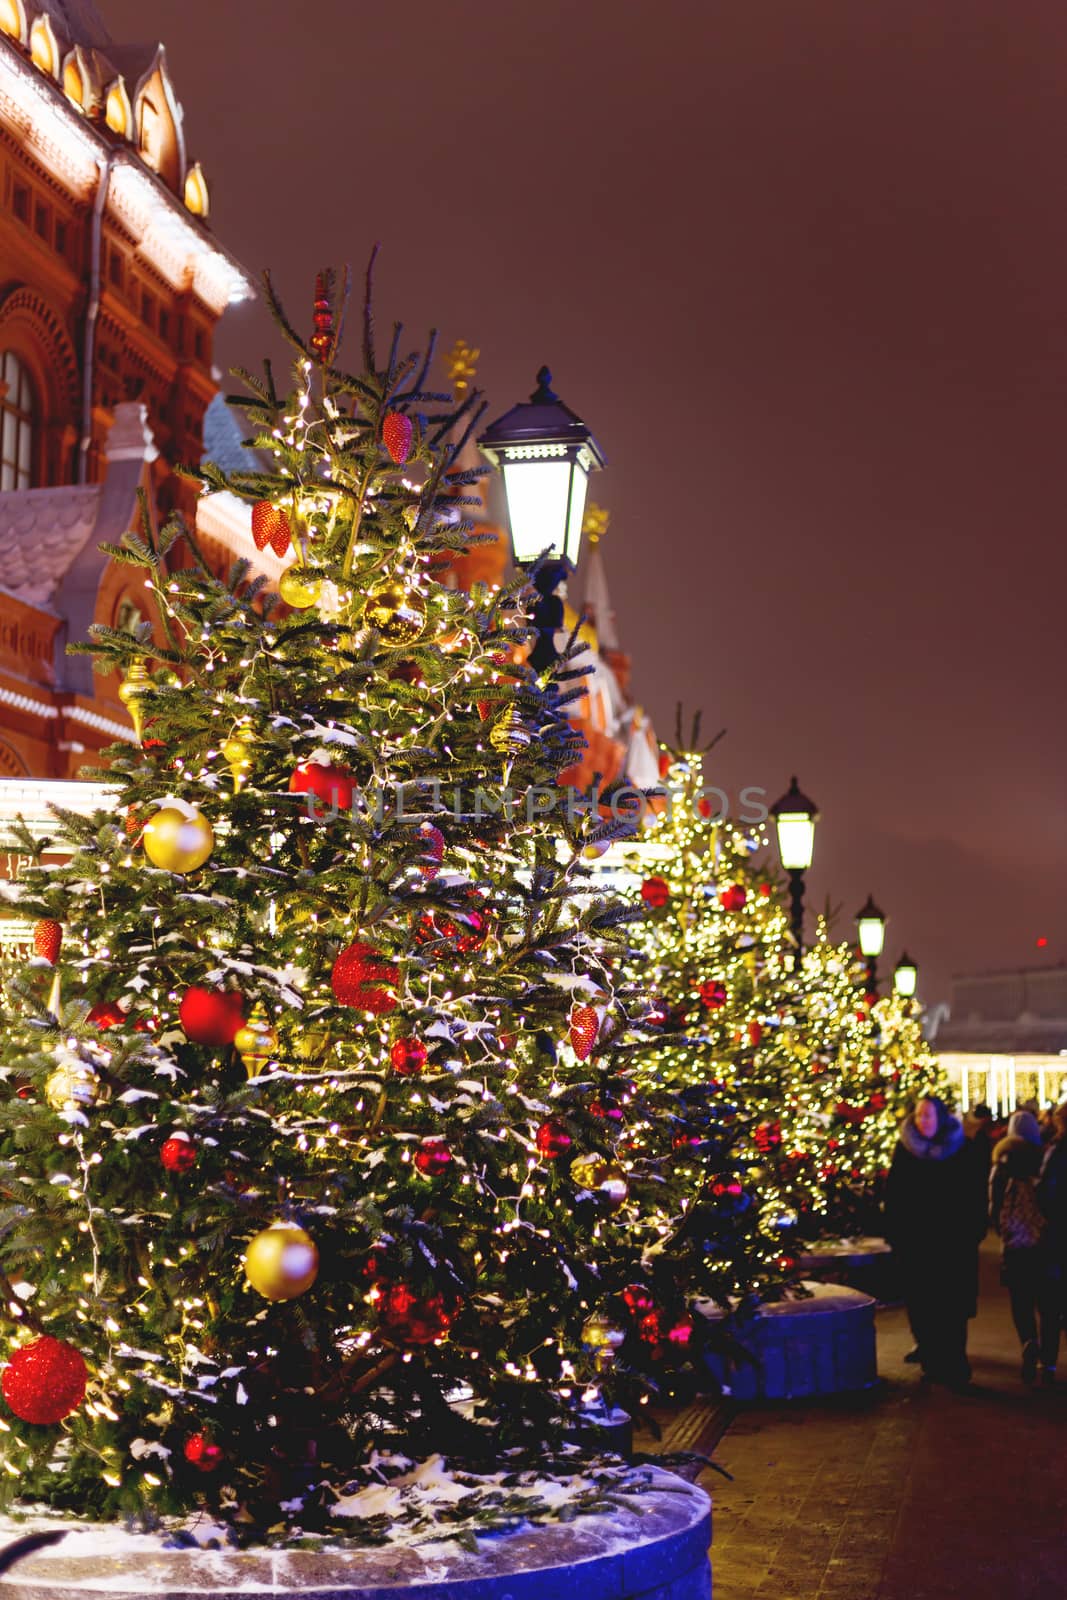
column 722, row 962
column 324, row 1133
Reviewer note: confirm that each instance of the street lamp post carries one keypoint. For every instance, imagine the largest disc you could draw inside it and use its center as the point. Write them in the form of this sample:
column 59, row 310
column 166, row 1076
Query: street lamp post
column 546, row 453
column 905, row 977
column 871, row 925
column 795, row 817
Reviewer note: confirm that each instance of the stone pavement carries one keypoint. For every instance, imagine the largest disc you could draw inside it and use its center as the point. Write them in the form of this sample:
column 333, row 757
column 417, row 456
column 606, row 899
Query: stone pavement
column 910, row 1494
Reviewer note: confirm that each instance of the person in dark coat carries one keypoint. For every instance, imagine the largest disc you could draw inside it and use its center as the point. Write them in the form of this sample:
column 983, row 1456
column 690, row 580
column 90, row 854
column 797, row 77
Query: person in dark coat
column 935, row 1219
column 1052, row 1198
column 1015, row 1212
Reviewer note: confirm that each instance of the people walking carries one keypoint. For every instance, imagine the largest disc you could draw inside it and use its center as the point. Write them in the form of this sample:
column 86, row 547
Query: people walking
column 935, row 1219
column 1017, row 1217
column 1052, row 1198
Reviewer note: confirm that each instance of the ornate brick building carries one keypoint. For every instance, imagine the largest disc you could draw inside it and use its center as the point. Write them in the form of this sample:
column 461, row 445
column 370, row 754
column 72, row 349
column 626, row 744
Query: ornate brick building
column 111, row 284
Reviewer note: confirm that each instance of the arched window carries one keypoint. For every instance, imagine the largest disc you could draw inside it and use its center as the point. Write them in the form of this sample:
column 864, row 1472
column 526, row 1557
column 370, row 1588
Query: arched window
column 17, row 418
column 10, row 19
column 43, row 46
column 196, row 195
column 73, row 87
column 151, row 133
column 117, row 109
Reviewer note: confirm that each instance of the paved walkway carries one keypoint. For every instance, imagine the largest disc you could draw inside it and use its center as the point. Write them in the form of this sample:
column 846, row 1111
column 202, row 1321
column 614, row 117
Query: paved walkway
column 916, row 1494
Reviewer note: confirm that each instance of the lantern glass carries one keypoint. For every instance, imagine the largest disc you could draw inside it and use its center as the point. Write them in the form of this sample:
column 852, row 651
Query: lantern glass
column 872, row 935
column 796, row 839
column 546, row 454
column 905, row 978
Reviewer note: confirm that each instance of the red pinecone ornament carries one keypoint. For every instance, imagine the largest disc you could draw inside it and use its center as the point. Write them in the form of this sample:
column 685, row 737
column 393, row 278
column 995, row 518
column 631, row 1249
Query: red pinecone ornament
column 178, row 1153
column 357, row 975
column 432, row 849
column 585, row 1025
column 45, row 1381
column 270, row 526
column 553, row 1140
column 733, row 897
column 322, row 318
column 655, row 892
column 767, row 1137
column 713, row 995
column 47, row 938
column 755, row 1033
column 396, row 435
column 433, row 1157
column 408, row 1057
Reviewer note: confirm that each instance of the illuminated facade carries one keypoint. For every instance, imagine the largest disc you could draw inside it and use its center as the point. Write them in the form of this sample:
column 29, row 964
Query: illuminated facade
column 111, row 285
column 1005, row 1041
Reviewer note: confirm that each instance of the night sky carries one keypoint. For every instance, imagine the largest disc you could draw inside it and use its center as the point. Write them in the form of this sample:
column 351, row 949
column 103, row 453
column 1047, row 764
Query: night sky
column 803, row 268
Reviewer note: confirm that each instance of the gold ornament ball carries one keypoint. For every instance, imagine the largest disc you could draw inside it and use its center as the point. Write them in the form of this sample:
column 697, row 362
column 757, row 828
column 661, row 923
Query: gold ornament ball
column 256, row 1041
column 509, row 733
column 282, row 1261
column 178, row 843
column 394, row 612
column 237, row 753
column 73, row 1087
column 300, row 588
column 600, row 1333
column 605, row 1178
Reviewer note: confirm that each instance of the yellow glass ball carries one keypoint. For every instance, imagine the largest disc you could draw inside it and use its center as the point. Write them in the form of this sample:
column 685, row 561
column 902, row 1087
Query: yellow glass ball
column 300, row 588
column 178, row 843
column 74, row 1086
column 602, row 1177
column 600, row 1333
column 394, row 612
column 282, row 1261
column 235, row 749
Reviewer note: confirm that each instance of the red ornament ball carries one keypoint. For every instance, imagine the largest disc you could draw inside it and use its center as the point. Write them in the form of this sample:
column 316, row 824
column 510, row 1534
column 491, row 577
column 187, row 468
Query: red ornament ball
column 47, row 938
column 202, row 1454
column 552, row 1139
column 713, row 995
column 655, row 892
column 178, row 1153
column 704, row 806
column 270, row 526
column 755, row 1033
column 733, row 897
column 106, row 1014
column 357, row 975
column 211, row 1016
column 409, row 1318
column 45, row 1381
column 397, row 429
column 432, row 849
column 637, row 1299
column 408, row 1056
column 433, row 1158
column 607, row 1108
column 333, row 784
column 585, row 1025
